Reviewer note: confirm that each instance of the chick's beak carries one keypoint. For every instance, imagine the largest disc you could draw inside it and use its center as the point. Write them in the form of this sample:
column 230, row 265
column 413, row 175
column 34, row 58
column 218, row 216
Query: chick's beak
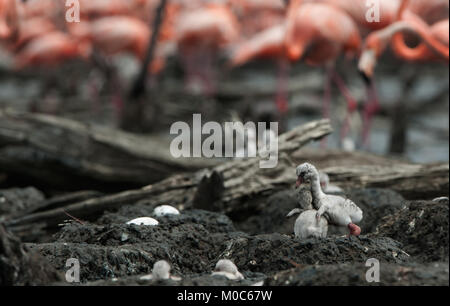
column 298, row 182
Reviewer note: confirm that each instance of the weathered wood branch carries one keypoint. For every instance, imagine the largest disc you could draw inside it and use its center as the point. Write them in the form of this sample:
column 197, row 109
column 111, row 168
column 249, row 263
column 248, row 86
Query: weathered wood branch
column 61, row 201
column 412, row 181
column 324, row 158
column 90, row 208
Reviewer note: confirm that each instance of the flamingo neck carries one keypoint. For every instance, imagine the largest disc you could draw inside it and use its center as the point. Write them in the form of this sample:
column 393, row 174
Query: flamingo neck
column 381, row 38
column 294, row 49
column 401, row 9
column 294, row 4
column 316, row 190
column 420, row 28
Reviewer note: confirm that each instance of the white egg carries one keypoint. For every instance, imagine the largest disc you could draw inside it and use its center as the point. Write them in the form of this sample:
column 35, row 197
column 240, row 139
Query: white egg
column 144, row 221
column 164, row 210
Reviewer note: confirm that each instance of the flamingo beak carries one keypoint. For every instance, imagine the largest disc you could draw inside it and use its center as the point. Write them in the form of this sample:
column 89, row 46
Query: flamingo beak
column 366, row 64
column 4, row 30
column 298, row 182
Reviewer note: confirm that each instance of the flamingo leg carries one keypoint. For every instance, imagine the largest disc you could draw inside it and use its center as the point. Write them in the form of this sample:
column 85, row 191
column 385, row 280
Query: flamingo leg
column 116, row 99
column 351, row 102
column 281, row 100
column 281, row 95
column 208, row 72
column 94, row 92
column 190, row 71
column 370, row 109
column 94, row 95
column 327, row 99
column 112, row 80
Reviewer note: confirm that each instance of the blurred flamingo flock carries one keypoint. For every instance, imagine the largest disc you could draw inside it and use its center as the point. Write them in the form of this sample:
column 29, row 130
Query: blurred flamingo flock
column 213, row 38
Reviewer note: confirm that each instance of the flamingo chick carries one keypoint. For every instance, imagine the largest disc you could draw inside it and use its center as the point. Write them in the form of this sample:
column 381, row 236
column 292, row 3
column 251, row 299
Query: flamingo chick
column 325, row 183
column 304, row 196
column 307, row 225
column 339, row 211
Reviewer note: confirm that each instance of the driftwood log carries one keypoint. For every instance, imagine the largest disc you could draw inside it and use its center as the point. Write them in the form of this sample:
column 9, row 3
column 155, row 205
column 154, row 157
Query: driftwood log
column 412, row 181
column 324, row 158
column 64, row 153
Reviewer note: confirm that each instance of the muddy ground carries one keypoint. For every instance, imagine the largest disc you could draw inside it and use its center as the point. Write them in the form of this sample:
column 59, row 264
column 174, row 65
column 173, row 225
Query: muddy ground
column 409, row 238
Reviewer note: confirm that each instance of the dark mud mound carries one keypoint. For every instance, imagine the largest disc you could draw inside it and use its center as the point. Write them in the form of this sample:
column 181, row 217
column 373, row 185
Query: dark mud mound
column 274, row 252
column 18, row 199
column 375, row 204
column 422, row 228
column 104, row 262
column 354, row 274
column 20, row 266
column 271, row 216
column 120, row 234
column 117, row 250
column 211, row 221
column 111, row 252
column 121, row 250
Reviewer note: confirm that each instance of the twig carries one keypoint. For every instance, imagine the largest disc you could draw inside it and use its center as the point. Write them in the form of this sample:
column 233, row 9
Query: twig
column 292, row 262
column 74, row 218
